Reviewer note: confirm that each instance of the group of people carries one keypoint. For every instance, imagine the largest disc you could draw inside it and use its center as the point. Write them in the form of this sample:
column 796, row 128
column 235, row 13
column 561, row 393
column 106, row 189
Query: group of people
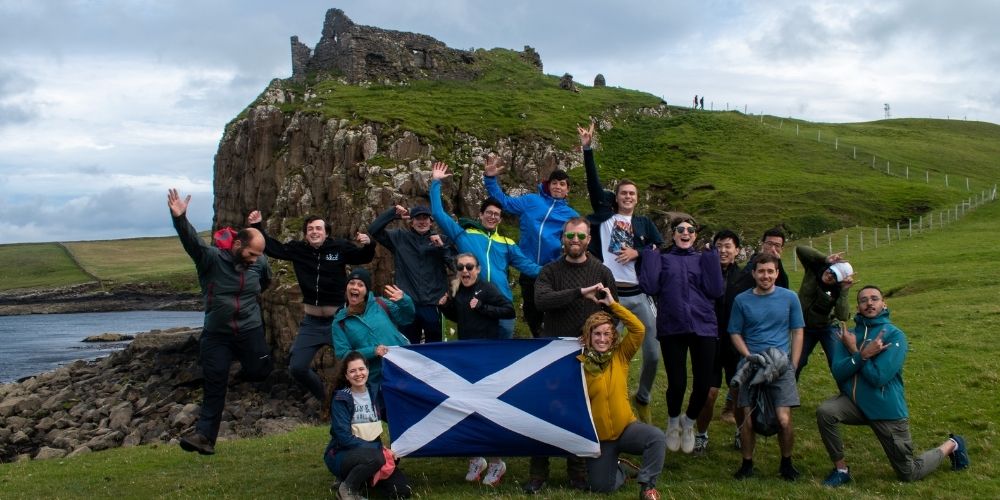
column 604, row 279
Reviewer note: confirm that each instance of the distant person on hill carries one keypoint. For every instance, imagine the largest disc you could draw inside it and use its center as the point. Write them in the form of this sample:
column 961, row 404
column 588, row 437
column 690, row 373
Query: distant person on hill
column 868, row 367
column 695, row 105
column 231, row 281
column 541, row 216
column 422, row 259
column 824, row 297
column 702, row 102
column 320, row 267
column 482, row 238
column 618, row 235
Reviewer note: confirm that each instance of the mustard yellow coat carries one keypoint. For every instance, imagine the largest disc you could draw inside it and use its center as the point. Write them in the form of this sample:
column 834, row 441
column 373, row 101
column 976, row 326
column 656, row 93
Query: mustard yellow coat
column 608, row 390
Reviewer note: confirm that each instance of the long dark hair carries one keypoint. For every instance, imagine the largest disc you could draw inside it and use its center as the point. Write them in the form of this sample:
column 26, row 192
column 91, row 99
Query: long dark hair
column 340, row 372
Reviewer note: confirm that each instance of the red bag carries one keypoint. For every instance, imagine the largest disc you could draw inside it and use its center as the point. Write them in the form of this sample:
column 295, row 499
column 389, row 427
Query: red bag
column 223, row 238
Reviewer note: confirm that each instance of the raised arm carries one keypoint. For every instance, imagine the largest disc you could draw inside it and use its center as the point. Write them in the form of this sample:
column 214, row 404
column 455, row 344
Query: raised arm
column 192, row 243
column 272, row 247
column 600, row 199
column 364, row 254
column 445, row 222
column 511, row 204
column 378, row 226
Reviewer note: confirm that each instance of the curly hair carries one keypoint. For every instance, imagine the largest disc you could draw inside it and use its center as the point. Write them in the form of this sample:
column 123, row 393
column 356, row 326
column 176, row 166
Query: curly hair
column 595, row 320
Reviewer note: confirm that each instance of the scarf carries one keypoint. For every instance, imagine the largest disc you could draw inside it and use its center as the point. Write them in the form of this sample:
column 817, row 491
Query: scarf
column 595, row 362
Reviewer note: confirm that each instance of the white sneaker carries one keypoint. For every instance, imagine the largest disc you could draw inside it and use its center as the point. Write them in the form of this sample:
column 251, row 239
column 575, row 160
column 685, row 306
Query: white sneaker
column 687, row 439
column 476, row 467
column 673, row 437
column 495, row 473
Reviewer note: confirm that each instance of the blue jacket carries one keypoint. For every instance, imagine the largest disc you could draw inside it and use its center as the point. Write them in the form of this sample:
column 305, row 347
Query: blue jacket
column 875, row 385
column 365, row 332
column 685, row 284
column 341, row 437
column 494, row 252
column 541, row 219
column 644, row 231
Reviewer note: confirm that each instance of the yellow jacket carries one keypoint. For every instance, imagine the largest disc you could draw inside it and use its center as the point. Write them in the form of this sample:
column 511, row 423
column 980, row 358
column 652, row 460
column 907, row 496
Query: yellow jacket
column 608, row 390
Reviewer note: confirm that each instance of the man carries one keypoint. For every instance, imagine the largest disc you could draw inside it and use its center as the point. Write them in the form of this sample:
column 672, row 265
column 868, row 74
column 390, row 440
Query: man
column 231, row 283
column 771, row 243
column 618, row 237
column 826, row 281
column 727, row 243
column 567, row 291
column 541, row 216
column 868, row 365
column 481, row 238
column 763, row 317
column 320, row 268
column 422, row 259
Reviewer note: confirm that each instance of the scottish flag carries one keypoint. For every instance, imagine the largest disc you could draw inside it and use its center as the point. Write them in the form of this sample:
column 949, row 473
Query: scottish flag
column 488, row 398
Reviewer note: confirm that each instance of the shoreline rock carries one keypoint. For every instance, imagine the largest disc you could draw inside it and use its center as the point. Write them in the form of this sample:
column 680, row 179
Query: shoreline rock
column 108, row 337
column 93, row 297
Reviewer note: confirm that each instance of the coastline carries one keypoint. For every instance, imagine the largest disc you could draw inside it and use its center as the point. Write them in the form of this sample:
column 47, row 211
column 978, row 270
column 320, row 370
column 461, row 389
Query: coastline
column 94, row 297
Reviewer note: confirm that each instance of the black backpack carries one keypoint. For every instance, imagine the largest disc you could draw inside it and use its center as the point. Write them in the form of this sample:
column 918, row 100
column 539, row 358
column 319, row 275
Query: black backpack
column 763, row 415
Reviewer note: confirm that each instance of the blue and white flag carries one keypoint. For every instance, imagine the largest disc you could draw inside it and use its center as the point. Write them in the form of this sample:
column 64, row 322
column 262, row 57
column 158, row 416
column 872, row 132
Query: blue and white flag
column 524, row 397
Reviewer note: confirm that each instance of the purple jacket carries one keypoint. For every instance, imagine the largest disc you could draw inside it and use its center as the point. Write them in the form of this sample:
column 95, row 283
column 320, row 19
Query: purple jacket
column 685, row 284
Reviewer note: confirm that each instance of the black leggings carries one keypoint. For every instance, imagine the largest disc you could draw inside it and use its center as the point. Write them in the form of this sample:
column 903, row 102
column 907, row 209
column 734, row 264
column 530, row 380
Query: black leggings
column 675, row 349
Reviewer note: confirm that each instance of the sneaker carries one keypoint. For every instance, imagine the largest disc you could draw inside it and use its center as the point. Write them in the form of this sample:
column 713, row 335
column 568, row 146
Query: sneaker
column 959, row 457
column 199, row 443
column 533, row 486
column 642, row 411
column 647, row 492
column 495, row 473
column 737, row 442
column 789, row 472
column 700, row 444
column 629, row 469
column 476, row 467
column 687, row 439
column 674, row 436
column 345, row 493
column 837, row 478
column 745, row 471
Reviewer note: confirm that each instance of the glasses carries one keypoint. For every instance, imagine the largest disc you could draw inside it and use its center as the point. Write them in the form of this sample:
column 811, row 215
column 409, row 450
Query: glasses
column 575, row 236
column 466, row 267
column 687, row 229
column 490, row 213
column 773, row 244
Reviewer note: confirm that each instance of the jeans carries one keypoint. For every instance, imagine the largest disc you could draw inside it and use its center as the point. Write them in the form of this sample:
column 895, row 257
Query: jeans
column 217, row 351
column 314, row 334
column 825, row 336
column 642, row 307
column 426, row 325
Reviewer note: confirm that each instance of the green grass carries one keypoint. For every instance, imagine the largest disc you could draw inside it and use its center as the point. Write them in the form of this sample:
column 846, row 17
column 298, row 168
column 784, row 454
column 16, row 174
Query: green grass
column 136, row 260
column 38, row 265
column 941, row 286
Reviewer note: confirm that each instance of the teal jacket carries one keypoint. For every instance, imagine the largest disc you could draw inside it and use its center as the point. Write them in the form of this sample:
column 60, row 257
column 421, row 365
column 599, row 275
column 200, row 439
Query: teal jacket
column 494, row 252
column 365, row 332
column 875, row 385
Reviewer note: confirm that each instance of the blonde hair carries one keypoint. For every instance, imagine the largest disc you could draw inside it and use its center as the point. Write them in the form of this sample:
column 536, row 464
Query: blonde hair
column 595, row 320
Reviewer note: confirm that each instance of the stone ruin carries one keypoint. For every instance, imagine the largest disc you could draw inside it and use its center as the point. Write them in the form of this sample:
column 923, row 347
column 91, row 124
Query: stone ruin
column 566, row 83
column 366, row 53
column 599, row 81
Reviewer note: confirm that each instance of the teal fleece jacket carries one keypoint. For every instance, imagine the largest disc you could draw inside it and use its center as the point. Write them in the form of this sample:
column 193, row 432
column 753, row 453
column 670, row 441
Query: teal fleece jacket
column 876, row 384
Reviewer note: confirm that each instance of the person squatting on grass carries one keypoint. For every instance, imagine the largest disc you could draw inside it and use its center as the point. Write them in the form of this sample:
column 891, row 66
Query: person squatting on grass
column 319, row 262
column 541, row 216
column 606, row 357
column 422, row 259
column 685, row 283
column 768, row 316
column 867, row 364
column 477, row 307
column 355, row 453
column 826, row 280
column 231, row 283
column 618, row 236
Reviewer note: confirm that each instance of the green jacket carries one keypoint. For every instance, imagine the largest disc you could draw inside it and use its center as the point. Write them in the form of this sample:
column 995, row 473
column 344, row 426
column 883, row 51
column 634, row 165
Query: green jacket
column 821, row 306
column 876, row 384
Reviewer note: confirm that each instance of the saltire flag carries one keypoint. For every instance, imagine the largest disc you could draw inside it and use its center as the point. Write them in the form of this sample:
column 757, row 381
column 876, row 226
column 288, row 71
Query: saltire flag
column 524, row 397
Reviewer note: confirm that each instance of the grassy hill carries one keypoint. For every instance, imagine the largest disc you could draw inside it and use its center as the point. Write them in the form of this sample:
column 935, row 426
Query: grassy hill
column 941, row 286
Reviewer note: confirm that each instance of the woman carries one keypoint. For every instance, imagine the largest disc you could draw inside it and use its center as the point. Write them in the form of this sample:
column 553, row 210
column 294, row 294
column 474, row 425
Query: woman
column 355, row 453
column 606, row 357
column 368, row 324
column 686, row 284
column 477, row 308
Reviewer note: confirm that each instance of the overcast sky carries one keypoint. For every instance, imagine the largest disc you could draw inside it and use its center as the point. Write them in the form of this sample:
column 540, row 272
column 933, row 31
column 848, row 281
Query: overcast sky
column 106, row 104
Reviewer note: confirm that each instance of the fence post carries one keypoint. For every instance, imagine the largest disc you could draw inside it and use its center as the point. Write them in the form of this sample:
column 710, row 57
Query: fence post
column 907, row 172
column 967, row 184
column 888, row 235
column 855, row 152
column 909, row 227
column 847, row 242
column 819, row 134
column 836, row 143
column 796, row 130
column 927, row 176
column 898, row 234
column 887, row 172
column 861, row 239
column 781, row 123
column 875, row 236
column 921, row 227
column 829, row 245
column 945, row 180
column 873, row 161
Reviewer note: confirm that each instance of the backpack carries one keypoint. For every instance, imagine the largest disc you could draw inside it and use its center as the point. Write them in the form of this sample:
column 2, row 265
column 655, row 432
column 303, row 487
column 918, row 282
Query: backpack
column 223, row 238
column 763, row 416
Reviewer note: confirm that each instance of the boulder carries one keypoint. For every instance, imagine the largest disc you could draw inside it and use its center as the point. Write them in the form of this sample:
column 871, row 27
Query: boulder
column 79, row 451
column 108, row 337
column 121, row 417
column 45, row 453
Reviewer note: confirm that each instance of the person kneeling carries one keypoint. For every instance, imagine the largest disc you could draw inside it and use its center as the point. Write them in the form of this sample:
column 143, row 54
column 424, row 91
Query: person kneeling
column 606, row 357
column 355, row 453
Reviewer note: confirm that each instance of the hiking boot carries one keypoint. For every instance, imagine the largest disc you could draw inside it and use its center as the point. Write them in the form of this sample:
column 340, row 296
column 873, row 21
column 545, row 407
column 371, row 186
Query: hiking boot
column 346, row 493
column 199, row 443
column 687, row 439
column 673, row 436
column 745, row 471
column 533, row 486
column 728, row 414
column 642, row 411
column 959, row 457
column 700, row 444
column 495, row 473
column 837, row 478
column 629, row 469
column 788, row 472
column 476, row 467
column 648, row 492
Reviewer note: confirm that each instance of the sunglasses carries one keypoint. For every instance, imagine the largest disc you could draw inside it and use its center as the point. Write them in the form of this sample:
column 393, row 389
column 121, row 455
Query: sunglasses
column 466, row 267
column 687, row 229
column 575, row 236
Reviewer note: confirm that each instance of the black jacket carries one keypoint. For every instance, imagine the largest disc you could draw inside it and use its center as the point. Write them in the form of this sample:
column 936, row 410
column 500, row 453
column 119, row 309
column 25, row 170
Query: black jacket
column 421, row 267
column 483, row 322
column 321, row 272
